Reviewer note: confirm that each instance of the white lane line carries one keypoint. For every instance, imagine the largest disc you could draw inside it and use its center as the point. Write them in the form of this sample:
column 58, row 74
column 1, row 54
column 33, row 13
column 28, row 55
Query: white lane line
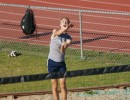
column 10, row 13
column 115, row 40
column 99, row 16
column 10, row 29
column 9, row 21
column 98, row 31
column 69, row 13
column 41, row 1
column 72, row 21
column 106, row 3
column 102, row 47
column 105, row 32
column 83, row 29
column 112, row 49
column 102, row 24
column 28, row 40
column 74, row 36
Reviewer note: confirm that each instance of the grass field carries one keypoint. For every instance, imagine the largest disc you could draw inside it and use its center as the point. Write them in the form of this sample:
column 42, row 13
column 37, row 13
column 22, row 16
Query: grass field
column 33, row 61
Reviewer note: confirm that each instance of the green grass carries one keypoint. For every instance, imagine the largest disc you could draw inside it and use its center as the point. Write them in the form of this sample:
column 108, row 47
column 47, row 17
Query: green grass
column 33, row 61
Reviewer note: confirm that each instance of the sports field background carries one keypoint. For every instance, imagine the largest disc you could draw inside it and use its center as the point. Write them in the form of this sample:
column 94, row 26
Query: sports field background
column 105, row 43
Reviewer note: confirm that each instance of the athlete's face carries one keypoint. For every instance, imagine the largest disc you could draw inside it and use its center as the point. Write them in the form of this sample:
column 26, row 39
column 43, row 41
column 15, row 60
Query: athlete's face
column 64, row 22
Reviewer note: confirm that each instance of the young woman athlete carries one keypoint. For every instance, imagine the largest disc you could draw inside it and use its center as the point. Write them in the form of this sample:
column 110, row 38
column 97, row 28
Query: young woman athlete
column 60, row 40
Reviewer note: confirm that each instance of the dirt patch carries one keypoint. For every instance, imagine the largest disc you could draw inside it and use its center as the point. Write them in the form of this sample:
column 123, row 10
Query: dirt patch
column 108, row 94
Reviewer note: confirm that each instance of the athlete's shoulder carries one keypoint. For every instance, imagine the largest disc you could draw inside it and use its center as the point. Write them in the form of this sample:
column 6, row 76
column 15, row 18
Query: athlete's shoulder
column 53, row 33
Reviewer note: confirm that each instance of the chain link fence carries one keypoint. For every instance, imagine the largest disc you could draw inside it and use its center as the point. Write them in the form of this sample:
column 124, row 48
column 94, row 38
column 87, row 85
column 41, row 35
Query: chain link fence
column 100, row 39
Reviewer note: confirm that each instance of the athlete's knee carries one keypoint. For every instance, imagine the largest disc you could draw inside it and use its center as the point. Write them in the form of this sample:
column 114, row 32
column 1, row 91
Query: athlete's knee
column 54, row 84
column 62, row 84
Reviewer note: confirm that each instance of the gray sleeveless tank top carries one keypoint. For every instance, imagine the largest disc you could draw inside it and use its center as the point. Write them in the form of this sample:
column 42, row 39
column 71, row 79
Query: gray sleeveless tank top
column 55, row 43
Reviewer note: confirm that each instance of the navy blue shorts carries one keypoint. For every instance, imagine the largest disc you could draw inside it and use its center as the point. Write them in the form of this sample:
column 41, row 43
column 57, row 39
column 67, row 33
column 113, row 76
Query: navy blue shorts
column 56, row 66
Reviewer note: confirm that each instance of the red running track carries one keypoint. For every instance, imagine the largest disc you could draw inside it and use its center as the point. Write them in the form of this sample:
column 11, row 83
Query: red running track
column 114, row 5
column 114, row 38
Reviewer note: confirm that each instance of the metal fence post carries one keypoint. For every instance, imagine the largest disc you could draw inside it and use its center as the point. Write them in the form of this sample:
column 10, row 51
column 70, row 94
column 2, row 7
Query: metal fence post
column 81, row 39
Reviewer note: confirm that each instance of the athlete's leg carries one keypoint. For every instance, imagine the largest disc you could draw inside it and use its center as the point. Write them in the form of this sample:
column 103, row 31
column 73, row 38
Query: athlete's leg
column 63, row 88
column 55, row 89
